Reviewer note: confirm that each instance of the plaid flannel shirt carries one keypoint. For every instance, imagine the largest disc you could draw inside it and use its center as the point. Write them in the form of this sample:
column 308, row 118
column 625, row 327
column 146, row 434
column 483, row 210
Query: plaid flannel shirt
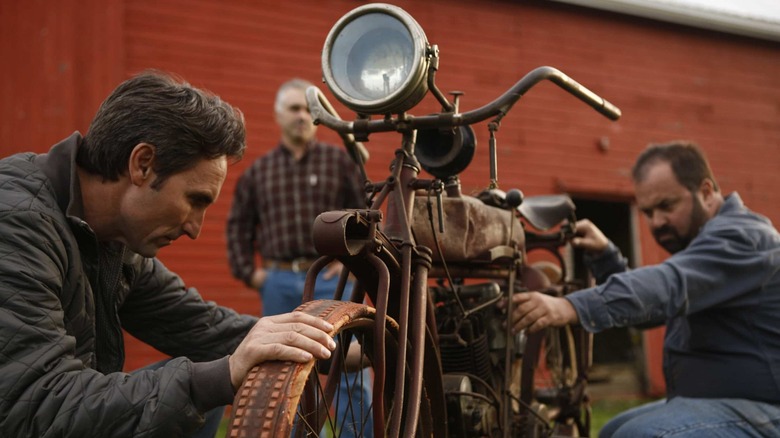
column 277, row 199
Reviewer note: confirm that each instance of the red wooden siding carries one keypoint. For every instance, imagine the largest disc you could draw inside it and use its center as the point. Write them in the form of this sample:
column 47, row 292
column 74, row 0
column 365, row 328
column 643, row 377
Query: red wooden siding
column 60, row 59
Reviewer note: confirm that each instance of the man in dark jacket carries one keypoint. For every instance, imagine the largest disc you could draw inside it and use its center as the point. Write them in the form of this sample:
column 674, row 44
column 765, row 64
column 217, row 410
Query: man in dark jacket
column 719, row 295
column 80, row 227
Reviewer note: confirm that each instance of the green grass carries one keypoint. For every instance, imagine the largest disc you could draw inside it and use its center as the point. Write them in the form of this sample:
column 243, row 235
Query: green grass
column 223, row 426
column 603, row 410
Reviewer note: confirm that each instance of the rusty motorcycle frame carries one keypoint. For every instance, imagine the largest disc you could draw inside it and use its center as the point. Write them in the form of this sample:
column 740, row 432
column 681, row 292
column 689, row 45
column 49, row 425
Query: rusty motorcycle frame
column 431, row 266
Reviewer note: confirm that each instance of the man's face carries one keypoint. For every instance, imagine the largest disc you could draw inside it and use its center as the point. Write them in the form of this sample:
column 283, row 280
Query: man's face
column 153, row 218
column 674, row 213
column 294, row 118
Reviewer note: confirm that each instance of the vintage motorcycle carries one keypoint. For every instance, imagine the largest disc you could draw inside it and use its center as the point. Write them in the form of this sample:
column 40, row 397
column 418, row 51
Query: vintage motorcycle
column 434, row 268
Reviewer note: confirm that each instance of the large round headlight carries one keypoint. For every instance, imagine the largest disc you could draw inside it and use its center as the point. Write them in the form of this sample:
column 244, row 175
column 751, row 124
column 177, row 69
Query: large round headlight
column 375, row 60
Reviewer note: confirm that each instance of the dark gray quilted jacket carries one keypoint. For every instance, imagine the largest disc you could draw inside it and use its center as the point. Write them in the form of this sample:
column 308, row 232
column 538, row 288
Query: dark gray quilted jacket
column 63, row 301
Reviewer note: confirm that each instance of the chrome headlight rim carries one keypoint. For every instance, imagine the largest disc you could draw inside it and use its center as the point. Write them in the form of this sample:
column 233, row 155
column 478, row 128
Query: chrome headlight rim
column 414, row 86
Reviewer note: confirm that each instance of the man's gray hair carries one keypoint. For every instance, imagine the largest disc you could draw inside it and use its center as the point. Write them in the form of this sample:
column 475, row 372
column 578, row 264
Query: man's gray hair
column 296, row 83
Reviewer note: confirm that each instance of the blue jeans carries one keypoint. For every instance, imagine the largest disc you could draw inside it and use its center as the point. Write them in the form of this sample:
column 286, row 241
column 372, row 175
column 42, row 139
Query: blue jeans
column 696, row 417
column 282, row 292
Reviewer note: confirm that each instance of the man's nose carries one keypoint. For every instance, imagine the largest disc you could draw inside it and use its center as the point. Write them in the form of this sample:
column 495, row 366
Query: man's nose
column 658, row 219
column 193, row 225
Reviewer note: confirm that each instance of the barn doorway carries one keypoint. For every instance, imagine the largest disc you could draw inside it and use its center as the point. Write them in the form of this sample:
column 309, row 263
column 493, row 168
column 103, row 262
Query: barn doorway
column 618, row 356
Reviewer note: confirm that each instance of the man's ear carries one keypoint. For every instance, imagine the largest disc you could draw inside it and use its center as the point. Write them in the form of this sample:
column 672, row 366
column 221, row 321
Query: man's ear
column 708, row 193
column 140, row 163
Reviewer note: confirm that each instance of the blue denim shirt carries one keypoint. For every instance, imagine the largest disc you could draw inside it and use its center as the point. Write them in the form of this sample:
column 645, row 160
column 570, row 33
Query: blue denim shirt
column 720, row 299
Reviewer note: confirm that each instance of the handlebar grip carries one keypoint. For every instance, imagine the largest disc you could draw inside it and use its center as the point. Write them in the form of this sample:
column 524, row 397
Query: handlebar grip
column 598, row 103
column 584, row 94
column 610, row 110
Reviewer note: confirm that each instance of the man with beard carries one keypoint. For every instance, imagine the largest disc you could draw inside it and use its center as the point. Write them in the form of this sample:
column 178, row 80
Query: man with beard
column 718, row 294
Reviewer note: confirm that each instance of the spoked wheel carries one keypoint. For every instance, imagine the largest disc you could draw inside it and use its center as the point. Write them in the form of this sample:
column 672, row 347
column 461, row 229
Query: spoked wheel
column 282, row 399
column 549, row 384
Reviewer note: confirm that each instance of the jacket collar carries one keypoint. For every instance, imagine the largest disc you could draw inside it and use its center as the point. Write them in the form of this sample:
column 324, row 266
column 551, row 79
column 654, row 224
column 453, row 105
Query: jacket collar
column 59, row 166
column 732, row 203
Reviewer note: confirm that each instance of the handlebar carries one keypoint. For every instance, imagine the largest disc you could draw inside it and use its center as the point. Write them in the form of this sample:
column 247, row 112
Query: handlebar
column 318, row 101
column 500, row 106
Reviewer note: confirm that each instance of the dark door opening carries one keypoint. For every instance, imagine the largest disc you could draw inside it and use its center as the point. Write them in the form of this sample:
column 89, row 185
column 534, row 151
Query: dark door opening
column 618, row 346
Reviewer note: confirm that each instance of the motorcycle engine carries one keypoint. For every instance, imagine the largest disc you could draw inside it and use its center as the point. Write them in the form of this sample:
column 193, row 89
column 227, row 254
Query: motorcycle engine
column 472, row 352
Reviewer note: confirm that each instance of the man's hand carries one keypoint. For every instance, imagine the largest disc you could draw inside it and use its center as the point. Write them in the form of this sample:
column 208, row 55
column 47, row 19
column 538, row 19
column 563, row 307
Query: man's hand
column 535, row 311
column 295, row 336
column 258, row 278
column 589, row 237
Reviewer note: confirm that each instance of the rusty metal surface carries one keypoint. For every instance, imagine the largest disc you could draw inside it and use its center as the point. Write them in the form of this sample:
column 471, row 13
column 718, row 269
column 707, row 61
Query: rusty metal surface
column 342, row 232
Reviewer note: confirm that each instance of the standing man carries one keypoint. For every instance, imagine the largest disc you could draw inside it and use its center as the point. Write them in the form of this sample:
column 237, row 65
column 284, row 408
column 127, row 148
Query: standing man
column 275, row 203
column 718, row 293
column 80, row 228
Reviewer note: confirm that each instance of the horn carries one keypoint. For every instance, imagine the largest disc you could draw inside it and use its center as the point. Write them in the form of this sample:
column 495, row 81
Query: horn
column 445, row 153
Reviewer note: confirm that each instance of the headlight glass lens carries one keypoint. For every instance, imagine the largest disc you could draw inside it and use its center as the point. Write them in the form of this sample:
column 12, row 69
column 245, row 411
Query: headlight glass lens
column 372, row 57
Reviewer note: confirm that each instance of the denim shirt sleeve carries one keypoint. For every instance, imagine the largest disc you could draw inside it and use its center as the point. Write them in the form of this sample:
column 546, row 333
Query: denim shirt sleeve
column 608, row 262
column 720, row 267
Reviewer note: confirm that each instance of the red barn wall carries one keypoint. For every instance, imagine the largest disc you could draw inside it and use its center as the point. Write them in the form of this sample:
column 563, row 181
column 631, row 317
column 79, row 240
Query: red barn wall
column 60, row 59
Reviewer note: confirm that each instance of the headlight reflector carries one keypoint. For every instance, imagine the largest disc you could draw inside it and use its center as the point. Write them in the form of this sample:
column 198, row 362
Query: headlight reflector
column 375, row 60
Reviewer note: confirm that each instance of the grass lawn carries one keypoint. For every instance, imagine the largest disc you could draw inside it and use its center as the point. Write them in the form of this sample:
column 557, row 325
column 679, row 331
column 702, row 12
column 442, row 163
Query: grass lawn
column 603, row 410
column 222, row 431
